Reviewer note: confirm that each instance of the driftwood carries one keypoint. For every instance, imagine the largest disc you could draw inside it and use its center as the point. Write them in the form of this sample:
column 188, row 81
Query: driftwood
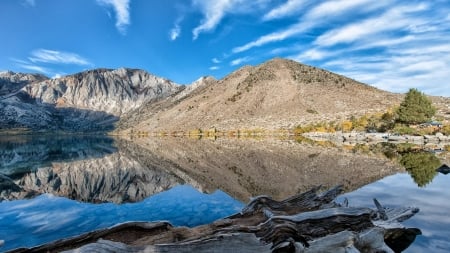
column 308, row 222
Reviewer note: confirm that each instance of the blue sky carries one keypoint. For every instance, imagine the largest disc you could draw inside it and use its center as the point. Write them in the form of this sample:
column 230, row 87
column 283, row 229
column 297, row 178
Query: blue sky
column 391, row 44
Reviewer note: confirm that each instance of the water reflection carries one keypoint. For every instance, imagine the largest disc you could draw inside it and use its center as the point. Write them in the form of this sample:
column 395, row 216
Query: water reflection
column 420, row 161
column 105, row 170
column 86, row 168
column 24, row 153
column 27, row 223
column 422, row 166
column 102, row 169
column 401, row 190
column 444, row 169
column 279, row 168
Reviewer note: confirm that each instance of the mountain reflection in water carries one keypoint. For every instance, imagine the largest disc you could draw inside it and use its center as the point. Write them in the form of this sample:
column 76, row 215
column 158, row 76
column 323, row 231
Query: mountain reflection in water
column 155, row 173
column 121, row 171
column 27, row 223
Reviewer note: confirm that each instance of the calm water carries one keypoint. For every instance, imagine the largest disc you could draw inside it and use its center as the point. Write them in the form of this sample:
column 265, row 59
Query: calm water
column 433, row 218
column 62, row 186
column 47, row 218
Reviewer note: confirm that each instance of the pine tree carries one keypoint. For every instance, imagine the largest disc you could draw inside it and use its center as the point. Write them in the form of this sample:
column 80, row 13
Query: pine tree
column 415, row 108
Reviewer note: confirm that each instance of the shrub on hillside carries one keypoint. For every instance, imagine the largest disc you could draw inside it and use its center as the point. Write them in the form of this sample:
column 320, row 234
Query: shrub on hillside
column 416, row 108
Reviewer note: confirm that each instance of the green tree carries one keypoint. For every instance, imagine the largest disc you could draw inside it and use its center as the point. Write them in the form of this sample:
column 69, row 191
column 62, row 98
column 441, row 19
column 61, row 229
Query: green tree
column 421, row 166
column 415, row 108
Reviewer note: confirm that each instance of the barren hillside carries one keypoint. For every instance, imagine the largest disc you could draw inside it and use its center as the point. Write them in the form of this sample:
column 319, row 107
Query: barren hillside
column 277, row 94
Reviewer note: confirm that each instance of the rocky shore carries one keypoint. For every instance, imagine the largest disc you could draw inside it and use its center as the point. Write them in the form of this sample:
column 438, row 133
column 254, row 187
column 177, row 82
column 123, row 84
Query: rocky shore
column 377, row 137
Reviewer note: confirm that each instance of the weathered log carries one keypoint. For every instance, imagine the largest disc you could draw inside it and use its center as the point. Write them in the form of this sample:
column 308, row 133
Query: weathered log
column 308, row 222
column 307, row 201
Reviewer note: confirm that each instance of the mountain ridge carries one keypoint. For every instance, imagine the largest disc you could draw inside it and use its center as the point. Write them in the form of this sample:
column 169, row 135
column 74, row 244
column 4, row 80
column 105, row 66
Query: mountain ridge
column 276, row 94
column 89, row 100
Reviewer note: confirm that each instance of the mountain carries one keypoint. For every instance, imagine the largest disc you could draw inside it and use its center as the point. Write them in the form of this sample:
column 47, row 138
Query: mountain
column 90, row 100
column 11, row 82
column 112, row 91
column 148, row 111
column 91, row 169
column 277, row 94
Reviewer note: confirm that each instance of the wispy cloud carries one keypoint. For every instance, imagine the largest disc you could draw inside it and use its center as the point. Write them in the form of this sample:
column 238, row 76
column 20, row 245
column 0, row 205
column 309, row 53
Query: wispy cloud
column 401, row 67
column 341, row 7
column 47, row 61
column 176, row 30
column 273, row 37
column 289, row 8
column 35, row 68
column 57, row 57
column 215, row 60
column 214, row 68
column 215, row 11
column 239, row 61
column 316, row 16
column 391, row 20
column 122, row 9
column 313, row 55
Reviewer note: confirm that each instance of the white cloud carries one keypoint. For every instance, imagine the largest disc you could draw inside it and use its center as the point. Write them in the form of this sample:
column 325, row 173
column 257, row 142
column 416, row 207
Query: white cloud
column 56, row 57
column 422, row 66
column 337, row 7
column 215, row 60
column 30, row 66
column 391, row 20
column 175, row 32
column 19, row 61
column 289, row 8
column 215, row 10
column 313, row 55
column 402, row 67
column 122, row 9
column 58, row 75
column 314, row 17
column 239, row 61
column 35, row 68
column 384, row 42
column 214, row 68
column 275, row 36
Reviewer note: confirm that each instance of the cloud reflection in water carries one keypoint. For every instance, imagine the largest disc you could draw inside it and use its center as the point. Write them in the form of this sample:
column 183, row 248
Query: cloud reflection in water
column 433, row 200
column 47, row 218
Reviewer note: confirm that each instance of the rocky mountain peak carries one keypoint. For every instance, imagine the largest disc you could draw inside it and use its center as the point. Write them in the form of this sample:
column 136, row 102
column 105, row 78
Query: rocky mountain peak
column 11, row 82
column 279, row 93
column 14, row 77
column 90, row 100
column 112, row 91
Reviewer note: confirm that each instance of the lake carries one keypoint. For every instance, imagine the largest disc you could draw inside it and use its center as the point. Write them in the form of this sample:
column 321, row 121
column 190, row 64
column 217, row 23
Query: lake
column 54, row 187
